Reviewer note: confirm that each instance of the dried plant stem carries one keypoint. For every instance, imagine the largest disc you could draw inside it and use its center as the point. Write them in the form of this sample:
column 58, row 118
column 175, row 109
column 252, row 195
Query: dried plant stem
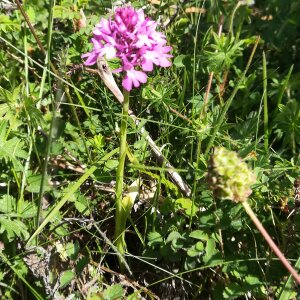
column 269, row 240
column 120, row 227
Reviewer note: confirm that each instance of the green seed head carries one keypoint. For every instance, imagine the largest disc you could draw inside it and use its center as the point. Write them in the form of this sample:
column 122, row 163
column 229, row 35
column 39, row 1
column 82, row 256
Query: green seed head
column 229, row 176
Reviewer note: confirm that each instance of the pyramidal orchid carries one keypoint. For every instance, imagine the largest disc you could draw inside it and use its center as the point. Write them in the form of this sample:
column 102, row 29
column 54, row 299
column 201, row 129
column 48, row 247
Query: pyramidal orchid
column 131, row 37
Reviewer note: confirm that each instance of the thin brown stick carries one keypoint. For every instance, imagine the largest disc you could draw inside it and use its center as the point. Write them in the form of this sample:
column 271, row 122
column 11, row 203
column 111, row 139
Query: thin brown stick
column 180, row 115
column 20, row 7
column 269, row 240
column 30, row 26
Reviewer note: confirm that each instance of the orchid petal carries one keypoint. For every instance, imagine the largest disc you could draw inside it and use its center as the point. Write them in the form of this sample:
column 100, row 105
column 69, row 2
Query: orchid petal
column 134, row 39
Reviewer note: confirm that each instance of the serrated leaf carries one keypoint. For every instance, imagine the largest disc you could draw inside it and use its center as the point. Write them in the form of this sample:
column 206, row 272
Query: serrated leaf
column 114, row 292
column 154, row 238
column 13, row 228
column 81, row 264
column 27, row 209
column 6, row 24
column 8, row 204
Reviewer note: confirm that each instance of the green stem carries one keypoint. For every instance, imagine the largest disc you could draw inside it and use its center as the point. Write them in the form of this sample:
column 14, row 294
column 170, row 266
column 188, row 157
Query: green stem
column 120, row 226
column 269, row 240
column 266, row 117
column 232, row 18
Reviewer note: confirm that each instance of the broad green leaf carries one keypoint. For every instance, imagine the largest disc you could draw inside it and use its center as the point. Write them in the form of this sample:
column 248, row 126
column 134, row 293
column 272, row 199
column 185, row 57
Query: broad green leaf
column 113, row 292
column 72, row 250
column 34, row 183
column 63, row 12
column 66, row 277
column 186, row 204
column 190, row 263
column 199, row 235
column 253, row 280
column 210, row 246
column 111, row 164
column 182, row 22
column 210, row 250
column 4, row 109
column 81, row 264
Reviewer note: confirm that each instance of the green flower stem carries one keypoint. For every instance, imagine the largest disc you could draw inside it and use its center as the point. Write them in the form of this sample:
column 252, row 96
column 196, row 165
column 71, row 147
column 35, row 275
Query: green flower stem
column 265, row 95
column 269, row 240
column 120, row 211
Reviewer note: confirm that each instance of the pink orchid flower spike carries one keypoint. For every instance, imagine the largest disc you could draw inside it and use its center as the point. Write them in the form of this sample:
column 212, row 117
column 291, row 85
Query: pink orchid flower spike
column 131, row 37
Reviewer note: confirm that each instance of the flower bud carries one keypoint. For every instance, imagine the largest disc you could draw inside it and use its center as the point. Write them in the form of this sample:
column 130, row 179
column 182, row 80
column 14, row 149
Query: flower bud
column 229, row 176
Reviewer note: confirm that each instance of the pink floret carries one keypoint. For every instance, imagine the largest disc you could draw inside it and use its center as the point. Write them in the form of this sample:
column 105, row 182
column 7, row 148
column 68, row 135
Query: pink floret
column 132, row 38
